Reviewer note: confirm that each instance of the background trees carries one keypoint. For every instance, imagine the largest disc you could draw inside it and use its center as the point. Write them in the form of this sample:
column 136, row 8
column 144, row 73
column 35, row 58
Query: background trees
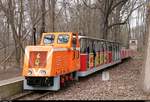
column 107, row 19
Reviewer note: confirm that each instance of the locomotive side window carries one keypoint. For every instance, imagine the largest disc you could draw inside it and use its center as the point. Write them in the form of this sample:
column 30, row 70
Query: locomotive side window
column 49, row 39
column 63, row 39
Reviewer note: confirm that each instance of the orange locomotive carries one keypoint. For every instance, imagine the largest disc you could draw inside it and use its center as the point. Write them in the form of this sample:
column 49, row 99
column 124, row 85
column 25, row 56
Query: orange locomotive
column 64, row 56
column 56, row 59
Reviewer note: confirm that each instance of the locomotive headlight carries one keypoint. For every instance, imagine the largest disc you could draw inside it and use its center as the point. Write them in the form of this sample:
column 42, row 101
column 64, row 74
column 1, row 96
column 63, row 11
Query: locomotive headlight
column 29, row 72
column 42, row 72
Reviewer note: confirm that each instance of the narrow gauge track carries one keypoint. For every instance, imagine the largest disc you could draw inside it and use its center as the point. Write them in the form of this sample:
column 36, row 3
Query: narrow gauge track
column 33, row 95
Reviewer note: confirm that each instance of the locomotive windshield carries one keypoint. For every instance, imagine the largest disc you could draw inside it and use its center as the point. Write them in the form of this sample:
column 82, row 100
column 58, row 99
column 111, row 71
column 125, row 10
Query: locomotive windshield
column 63, row 38
column 49, row 39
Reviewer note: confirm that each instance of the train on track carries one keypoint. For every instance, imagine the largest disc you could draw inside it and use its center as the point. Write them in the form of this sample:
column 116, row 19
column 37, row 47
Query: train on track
column 63, row 57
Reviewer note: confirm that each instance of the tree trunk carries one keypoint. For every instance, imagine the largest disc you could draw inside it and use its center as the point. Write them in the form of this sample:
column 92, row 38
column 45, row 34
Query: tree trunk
column 105, row 30
column 52, row 4
column 106, row 19
column 129, row 34
column 146, row 69
column 43, row 18
column 14, row 31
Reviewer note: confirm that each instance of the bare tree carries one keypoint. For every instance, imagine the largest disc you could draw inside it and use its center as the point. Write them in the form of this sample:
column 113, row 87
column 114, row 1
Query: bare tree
column 9, row 12
column 146, row 70
column 43, row 18
column 107, row 7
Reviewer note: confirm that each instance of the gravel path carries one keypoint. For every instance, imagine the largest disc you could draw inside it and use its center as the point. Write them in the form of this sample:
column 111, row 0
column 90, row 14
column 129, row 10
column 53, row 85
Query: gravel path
column 123, row 85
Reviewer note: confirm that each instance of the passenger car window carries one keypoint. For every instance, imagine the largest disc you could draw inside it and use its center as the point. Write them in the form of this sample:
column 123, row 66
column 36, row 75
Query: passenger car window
column 63, row 39
column 49, row 39
column 83, row 45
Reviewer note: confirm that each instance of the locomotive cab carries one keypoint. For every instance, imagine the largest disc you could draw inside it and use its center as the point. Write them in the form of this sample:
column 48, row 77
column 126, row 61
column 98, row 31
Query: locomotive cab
column 45, row 64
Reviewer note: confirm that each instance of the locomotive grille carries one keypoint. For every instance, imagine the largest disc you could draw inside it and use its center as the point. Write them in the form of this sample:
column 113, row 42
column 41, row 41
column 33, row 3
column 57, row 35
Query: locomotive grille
column 40, row 81
column 37, row 59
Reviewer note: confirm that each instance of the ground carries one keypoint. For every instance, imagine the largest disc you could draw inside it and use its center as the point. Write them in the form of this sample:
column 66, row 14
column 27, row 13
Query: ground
column 124, row 84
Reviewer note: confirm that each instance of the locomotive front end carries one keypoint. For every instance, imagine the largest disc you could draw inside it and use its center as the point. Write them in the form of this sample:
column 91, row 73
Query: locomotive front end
column 37, row 61
column 52, row 63
column 37, row 69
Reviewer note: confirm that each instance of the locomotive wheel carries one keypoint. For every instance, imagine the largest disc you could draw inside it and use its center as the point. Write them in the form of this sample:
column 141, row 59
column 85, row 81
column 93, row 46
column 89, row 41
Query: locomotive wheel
column 66, row 80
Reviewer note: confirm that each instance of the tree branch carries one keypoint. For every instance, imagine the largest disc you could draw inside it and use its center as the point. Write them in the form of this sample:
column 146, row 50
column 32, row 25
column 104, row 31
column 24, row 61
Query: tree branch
column 94, row 6
column 119, row 3
column 125, row 21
